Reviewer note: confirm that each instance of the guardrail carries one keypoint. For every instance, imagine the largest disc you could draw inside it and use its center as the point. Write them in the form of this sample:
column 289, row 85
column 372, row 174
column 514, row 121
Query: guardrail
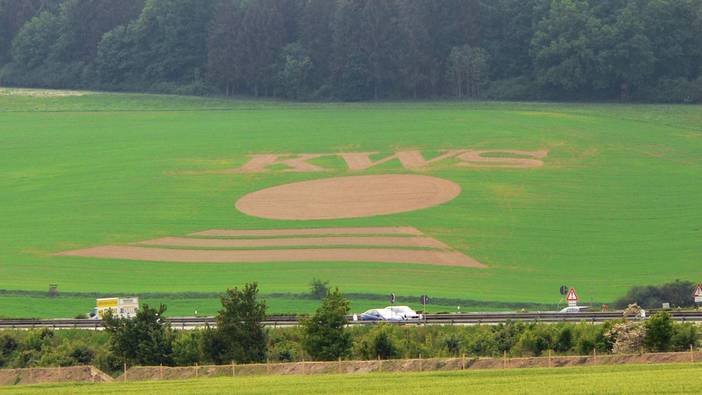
column 429, row 319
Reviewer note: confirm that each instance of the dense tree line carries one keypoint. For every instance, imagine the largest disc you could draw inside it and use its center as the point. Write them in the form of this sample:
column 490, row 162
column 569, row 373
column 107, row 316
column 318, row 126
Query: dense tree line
column 360, row 49
column 677, row 293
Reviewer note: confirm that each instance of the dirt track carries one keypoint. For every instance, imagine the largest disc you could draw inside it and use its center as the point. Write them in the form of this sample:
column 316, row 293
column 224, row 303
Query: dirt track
column 399, row 230
column 426, row 257
column 304, row 241
column 349, row 197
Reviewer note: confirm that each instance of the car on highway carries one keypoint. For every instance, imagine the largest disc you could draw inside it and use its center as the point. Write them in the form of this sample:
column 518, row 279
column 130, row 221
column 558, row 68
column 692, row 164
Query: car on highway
column 575, row 309
column 380, row 315
column 405, row 312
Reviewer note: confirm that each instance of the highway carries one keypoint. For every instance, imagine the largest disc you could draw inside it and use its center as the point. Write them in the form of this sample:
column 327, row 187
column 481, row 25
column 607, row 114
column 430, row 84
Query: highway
column 430, row 319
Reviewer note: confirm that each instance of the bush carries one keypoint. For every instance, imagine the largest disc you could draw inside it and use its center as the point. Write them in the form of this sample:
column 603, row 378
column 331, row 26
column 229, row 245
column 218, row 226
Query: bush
column 186, row 348
column 684, row 336
column 564, row 341
column 378, row 343
column 482, row 342
column 319, row 289
column 659, row 332
column 627, row 337
column 535, row 340
column 452, row 343
column 506, row 335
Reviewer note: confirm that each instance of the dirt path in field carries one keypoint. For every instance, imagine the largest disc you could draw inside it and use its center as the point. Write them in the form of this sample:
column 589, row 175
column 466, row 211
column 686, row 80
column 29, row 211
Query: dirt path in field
column 304, row 241
column 349, row 197
column 442, row 258
column 398, row 230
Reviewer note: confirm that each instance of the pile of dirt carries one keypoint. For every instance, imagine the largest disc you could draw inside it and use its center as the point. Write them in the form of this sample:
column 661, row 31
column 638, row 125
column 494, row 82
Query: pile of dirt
column 402, row 365
column 88, row 374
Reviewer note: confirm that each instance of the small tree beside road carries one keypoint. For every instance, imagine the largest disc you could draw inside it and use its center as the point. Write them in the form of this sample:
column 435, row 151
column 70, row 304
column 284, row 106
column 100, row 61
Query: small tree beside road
column 240, row 335
column 325, row 336
column 146, row 339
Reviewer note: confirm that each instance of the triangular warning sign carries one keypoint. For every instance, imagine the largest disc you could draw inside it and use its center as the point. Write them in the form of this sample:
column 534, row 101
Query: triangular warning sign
column 572, row 296
column 698, row 291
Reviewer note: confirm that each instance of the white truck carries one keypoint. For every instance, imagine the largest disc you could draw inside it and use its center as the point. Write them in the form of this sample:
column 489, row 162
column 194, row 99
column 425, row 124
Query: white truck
column 120, row 307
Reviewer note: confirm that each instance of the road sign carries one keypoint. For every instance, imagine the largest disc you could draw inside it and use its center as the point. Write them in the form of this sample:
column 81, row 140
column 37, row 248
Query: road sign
column 698, row 294
column 572, row 297
column 392, row 298
column 424, row 299
column 563, row 290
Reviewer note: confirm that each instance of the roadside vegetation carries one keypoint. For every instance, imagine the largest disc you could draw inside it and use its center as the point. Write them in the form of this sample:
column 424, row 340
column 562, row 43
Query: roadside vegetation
column 239, row 337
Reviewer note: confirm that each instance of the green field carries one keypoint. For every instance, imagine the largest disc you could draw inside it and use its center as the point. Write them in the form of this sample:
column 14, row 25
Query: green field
column 626, row 379
column 617, row 203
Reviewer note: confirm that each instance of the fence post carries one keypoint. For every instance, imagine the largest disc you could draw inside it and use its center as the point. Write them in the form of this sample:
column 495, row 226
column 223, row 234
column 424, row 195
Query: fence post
column 463, row 362
column 233, row 369
column 594, row 356
column 420, row 363
column 380, row 364
column 31, row 374
column 124, row 376
column 160, row 371
column 268, row 366
column 504, row 360
column 339, row 367
column 304, row 368
column 59, row 373
column 549, row 358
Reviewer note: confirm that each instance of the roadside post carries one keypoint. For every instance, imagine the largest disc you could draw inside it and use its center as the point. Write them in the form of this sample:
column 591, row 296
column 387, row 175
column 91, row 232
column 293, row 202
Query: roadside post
column 393, row 298
column 698, row 294
column 572, row 298
column 563, row 291
column 424, row 300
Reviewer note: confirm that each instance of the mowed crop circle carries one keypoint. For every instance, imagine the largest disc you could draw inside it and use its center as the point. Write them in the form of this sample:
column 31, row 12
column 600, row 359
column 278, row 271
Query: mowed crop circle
column 349, row 197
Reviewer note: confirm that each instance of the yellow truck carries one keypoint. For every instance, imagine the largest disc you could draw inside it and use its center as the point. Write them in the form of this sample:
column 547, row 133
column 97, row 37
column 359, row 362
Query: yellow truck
column 120, row 307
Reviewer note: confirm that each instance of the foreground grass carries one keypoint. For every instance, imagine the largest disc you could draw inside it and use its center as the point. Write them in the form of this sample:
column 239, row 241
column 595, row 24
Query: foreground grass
column 626, row 379
column 618, row 202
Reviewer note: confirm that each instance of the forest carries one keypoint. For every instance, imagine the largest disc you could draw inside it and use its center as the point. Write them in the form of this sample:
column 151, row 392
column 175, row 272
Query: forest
column 355, row 50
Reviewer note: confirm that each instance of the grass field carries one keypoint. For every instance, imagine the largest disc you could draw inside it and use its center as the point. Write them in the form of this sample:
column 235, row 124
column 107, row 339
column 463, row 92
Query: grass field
column 626, row 379
column 617, row 203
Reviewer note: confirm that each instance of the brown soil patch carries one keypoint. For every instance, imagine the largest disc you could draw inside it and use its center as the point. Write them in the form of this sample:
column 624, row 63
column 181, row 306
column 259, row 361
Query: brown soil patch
column 348, row 197
column 53, row 375
column 305, row 241
column 399, row 230
column 428, row 257
column 139, row 373
column 259, row 163
column 475, row 159
column 409, row 159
